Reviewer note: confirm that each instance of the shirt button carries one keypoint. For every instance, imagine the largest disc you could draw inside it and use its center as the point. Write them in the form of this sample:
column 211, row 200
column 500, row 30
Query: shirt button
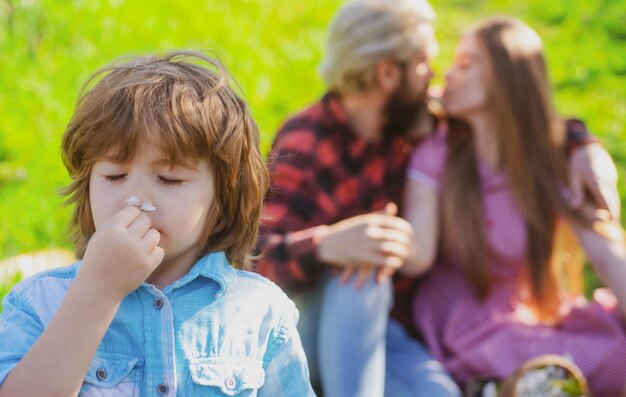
column 230, row 383
column 163, row 389
column 158, row 303
column 101, row 374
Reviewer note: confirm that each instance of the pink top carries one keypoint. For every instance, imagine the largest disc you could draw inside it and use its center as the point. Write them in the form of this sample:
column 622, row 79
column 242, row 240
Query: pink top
column 489, row 339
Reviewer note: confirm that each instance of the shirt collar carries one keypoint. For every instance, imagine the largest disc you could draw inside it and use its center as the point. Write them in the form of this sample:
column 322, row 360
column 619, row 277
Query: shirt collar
column 356, row 144
column 332, row 103
column 214, row 266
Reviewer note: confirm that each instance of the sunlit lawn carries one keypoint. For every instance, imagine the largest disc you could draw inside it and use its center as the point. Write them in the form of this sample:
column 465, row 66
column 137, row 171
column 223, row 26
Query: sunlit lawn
column 272, row 47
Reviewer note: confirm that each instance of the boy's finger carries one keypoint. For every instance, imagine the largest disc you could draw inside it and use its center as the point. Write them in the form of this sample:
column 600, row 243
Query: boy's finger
column 126, row 216
column 151, row 239
column 140, row 225
column 156, row 256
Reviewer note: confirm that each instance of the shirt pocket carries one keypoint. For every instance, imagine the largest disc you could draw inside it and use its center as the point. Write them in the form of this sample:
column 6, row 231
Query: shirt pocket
column 113, row 374
column 231, row 377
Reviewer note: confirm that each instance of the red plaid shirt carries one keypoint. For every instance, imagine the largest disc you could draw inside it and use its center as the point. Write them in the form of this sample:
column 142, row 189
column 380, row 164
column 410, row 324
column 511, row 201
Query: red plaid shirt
column 322, row 173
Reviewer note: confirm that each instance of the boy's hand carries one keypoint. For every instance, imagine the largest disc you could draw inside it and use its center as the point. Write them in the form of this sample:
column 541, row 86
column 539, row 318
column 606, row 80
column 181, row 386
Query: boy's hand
column 122, row 253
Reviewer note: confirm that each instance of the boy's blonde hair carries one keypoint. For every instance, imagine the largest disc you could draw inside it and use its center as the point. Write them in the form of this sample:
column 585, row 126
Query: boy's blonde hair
column 364, row 32
column 191, row 112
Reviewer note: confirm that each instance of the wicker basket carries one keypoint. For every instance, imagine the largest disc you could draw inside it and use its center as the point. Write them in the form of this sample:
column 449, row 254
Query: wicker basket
column 509, row 385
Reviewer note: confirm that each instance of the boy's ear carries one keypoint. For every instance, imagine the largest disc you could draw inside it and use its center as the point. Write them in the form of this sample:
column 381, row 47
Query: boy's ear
column 387, row 75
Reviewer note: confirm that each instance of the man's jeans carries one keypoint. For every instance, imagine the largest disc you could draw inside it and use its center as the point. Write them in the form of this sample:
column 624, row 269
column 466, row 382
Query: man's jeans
column 355, row 350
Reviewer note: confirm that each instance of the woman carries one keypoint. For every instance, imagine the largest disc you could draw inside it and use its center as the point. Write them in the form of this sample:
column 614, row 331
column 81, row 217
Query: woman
column 487, row 199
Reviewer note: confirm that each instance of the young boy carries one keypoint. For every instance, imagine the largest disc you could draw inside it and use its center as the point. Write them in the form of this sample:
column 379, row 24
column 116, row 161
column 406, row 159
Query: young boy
column 167, row 184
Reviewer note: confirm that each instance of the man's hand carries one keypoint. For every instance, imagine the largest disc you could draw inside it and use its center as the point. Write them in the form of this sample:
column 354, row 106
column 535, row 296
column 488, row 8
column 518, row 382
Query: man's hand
column 122, row 253
column 376, row 241
column 592, row 172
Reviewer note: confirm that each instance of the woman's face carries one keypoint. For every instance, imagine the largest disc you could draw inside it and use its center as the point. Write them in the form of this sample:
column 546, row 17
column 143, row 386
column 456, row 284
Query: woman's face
column 466, row 91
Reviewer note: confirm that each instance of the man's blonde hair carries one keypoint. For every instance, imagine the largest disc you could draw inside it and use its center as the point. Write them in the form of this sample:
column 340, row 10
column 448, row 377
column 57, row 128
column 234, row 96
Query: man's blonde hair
column 364, row 32
column 183, row 102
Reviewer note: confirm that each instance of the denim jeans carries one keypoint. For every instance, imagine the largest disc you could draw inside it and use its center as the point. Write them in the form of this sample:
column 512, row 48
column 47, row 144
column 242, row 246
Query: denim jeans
column 355, row 350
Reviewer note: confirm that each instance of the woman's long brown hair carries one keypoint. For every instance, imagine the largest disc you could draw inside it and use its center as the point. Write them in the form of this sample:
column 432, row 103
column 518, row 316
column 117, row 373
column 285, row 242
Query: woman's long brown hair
column 530, row 143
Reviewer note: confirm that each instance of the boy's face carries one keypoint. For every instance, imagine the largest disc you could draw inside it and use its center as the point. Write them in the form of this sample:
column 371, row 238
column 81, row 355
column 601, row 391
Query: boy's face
column 181, row 194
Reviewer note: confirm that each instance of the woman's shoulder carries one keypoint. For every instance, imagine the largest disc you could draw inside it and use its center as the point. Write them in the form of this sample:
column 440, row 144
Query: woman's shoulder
column 435, row 144
column 429, row 157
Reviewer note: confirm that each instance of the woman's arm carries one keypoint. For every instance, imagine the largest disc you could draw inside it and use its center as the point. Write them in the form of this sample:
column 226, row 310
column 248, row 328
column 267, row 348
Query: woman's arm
column 421, row 210
column 606, row 249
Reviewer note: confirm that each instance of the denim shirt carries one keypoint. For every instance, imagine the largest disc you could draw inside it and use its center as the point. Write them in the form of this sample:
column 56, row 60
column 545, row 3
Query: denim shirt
column 217, row 331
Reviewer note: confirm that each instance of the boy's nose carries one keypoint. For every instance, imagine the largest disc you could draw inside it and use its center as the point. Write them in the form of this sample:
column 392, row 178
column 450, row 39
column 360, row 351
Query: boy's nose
column 142, row 205
column 141, row 189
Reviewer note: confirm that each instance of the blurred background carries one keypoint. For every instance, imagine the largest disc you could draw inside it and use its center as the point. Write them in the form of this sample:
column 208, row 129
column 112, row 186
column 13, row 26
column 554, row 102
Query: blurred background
column 272, row 47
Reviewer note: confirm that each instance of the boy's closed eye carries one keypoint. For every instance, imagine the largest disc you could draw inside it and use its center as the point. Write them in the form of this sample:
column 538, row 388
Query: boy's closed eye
column 114, row 178
column 169, row 180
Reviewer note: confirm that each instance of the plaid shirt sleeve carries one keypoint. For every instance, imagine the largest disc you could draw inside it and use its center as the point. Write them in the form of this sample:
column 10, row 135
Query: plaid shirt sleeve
column 295, row 207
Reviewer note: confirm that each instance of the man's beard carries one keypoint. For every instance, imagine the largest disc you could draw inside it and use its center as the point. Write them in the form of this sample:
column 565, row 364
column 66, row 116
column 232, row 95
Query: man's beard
column 401, row 113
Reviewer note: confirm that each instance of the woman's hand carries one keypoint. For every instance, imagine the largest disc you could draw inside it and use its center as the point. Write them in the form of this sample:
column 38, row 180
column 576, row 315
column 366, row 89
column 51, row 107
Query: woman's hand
column 592, row 171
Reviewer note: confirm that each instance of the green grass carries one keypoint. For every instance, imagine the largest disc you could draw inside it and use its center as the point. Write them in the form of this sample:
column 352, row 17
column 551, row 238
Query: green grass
column 7, row 283
column 272, row 47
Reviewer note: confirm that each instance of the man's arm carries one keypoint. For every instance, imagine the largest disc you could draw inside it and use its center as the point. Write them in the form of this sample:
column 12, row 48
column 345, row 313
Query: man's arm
column 301, row 235
column 295, row 208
